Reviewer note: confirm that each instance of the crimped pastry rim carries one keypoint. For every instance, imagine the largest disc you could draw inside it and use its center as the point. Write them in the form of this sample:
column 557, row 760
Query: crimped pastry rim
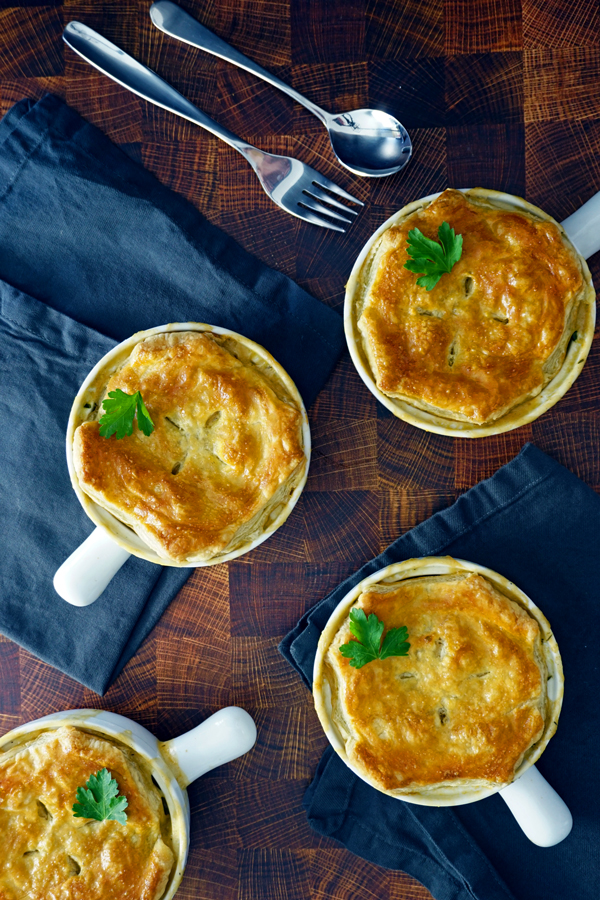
column 523, row 413
column 438, row 565
column 118, row 531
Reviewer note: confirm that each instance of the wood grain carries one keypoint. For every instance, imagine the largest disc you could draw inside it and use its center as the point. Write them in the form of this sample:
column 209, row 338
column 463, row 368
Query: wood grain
column 497, row 93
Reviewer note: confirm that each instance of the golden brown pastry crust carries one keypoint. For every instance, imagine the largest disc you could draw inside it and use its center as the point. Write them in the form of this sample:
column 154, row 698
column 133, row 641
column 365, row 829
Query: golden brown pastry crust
column 48, row 854
column 466, row 703
column 227, row 445
column 493, row 332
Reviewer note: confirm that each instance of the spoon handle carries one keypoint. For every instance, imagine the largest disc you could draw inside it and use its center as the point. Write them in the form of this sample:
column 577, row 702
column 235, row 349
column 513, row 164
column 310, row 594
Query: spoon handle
column 171, row 19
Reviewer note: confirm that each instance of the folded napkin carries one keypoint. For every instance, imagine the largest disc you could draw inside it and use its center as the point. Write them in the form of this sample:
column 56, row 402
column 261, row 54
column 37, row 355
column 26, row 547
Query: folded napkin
column 92, row 249
column 537, row 524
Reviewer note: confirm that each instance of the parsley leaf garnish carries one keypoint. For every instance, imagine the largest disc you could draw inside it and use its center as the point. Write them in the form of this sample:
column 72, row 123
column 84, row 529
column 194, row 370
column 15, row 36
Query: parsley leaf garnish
column 429, row 257
column 368, row 645
column 120, row 409
column 100, row 801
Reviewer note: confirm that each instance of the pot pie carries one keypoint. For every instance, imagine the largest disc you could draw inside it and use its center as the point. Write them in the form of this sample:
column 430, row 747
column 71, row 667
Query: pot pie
column 226, row 453
column 48, row 854
column 494, row 331
column 466, row 705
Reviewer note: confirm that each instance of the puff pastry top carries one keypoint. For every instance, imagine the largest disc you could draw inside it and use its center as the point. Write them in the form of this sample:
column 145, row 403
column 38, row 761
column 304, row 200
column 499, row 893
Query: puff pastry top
column 466, row 703
column 48, row 854
column 492, row 332
column 226, row 448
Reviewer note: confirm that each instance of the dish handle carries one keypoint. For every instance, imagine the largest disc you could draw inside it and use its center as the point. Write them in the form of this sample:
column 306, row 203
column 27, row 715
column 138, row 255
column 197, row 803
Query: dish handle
column 583, row 227
column 224, row 736
column 538, row 809
column 86, row 573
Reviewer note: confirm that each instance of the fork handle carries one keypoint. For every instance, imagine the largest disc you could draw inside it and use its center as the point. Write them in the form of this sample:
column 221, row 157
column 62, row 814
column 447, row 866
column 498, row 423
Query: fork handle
column 171, row 19
column 134, row 76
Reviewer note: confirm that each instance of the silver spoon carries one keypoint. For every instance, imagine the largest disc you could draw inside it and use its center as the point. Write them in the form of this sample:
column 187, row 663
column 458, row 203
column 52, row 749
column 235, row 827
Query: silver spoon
column 366, row 141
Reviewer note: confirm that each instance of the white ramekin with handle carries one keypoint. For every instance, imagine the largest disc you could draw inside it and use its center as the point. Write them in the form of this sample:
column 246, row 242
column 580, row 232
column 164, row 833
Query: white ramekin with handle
column 174, row 764
column 541, row 813
column 582, row 229
column 82, row 578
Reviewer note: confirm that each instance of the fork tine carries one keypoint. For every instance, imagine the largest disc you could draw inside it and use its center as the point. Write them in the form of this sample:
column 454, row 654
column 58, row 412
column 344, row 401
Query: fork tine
column 323, row 195
column 309, row 216
column 318, row 207
column 323, row 182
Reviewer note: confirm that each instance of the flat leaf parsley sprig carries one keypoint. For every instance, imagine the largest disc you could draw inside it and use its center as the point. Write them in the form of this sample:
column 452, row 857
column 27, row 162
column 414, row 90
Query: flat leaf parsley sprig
column 120, row 409
column 432, row 258
column 100, row 800
column 368, row 644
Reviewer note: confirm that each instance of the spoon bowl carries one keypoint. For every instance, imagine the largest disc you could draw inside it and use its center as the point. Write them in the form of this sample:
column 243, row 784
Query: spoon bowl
column 368, row 142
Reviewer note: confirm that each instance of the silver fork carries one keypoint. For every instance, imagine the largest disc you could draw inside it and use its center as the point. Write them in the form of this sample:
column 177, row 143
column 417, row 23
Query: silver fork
column 294, row 186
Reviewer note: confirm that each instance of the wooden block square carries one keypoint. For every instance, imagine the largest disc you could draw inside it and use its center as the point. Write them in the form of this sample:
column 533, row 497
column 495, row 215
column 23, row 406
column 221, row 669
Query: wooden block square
column 491, row 156
column 563, row 165
column 344, row 456
column 410, row 458
column 201, row 607
column 281, row 749
column 412, row 89
column 562, row 84
column 32, row 42
column 192, row 673
column 263, row 873
column 408, row 29
column 482, row 26
column 213, row 806
column 553, row 23
column 209, row 874
column 341, row 526
column 327, row 32
column 484, row 88
column 274, row 818
column 261, row 678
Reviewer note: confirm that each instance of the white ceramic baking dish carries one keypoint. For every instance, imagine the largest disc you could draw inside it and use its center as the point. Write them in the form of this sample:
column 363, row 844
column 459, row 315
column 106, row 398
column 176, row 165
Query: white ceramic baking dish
column 582, row 229
column 538, row 809
column 86, row 573
column 174, row 764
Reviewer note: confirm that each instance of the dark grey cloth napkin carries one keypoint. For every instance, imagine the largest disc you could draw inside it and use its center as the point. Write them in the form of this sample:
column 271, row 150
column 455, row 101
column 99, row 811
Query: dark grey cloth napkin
column 539, row 525
column 92, row 249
